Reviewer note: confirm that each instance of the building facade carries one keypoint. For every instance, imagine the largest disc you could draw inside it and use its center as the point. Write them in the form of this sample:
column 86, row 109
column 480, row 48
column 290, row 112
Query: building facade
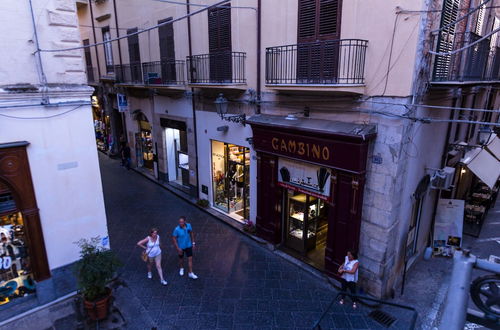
column 50, row 186
column 322, row 122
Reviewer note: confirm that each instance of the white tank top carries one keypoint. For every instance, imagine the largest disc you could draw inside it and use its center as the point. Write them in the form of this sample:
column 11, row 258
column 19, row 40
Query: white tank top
column 153, row 248
column 348, row 265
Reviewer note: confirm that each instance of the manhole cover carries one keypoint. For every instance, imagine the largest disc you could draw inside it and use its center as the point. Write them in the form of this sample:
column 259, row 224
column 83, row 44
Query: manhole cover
column 382, row 317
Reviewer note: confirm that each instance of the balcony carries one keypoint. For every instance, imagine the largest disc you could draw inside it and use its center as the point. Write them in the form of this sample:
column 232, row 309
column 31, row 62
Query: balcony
column 217, row 69
column 129, row 74
column 323, row 65
column 164, row 73
column 477, row 64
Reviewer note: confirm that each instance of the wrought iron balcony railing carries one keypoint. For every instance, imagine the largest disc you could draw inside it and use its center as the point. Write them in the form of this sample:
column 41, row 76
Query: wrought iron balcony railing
column 165, row 72
column 481, row 62
column 329, row 62
column 129, row 74
column 217, row 68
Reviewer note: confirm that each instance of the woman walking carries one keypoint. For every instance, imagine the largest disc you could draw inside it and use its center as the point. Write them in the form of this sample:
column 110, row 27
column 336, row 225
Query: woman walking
column 152, row 246
column 349, row 273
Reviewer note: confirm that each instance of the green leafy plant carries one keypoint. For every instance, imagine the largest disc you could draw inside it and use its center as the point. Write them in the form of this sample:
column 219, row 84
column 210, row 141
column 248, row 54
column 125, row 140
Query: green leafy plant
column 202, row 202
column 96, row 267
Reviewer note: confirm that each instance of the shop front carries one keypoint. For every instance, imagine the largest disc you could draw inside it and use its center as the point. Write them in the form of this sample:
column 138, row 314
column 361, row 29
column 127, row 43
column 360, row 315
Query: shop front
column 22, row 252
column 231, row 179
column 176, row 151
column 310, row 181
column 144, row 142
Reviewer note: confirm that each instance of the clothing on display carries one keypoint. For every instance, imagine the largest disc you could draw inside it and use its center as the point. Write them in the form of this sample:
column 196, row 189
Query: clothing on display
column 15, row 274
column 231, row 179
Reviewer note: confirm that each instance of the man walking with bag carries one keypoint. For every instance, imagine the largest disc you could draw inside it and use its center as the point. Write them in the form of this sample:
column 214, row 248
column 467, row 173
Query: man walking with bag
column 183, row 239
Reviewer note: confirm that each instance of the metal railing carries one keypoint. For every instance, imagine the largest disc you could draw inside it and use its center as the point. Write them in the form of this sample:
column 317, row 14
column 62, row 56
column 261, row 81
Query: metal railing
column 480, row 62
column 129, row 74
column 327, row 62
column 217, row 68
column 484, row 291
column 92, row 75
column 165, row 72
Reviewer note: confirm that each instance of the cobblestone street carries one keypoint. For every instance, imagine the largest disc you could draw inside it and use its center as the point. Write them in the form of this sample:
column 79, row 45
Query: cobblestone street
column 241, row 284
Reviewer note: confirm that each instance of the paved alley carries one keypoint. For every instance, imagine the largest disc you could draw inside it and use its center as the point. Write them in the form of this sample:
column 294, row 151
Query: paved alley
column 241, row 284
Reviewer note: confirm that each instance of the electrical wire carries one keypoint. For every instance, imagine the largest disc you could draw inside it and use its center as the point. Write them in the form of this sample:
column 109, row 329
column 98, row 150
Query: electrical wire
column 465, row 47
column 59, row 104
column 432, row 106
column 201, row 5
column 134, row 33
column 404, row 11
column 47, row 117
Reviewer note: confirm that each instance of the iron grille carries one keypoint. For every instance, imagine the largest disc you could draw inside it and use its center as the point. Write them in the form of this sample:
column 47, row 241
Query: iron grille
column 165, row 72
column 326, row 62
column 223, row 67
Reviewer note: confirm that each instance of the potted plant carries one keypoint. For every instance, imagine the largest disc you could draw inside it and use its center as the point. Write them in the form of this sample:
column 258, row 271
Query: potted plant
column 96, row 267
column 249, row 226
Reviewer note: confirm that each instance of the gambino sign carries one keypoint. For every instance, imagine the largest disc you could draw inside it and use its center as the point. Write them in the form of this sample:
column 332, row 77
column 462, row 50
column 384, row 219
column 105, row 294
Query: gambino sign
column 309, row 179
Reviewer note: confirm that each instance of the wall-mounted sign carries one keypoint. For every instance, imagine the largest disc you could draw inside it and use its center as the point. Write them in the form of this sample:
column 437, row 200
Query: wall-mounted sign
column 448, row 227
column 309, row 179
column 122, row 102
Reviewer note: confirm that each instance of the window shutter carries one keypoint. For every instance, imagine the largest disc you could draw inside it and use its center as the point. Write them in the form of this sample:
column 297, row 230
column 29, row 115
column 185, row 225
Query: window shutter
column 328, row 18
column 88, row 57
column 307, row 19
column 446, row 39
column 133, row 46
column 166, row 36
column 219, row 29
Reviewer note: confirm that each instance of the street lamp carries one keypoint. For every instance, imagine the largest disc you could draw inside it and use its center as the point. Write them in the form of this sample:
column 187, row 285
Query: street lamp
column 221, row 105
column 484, row 134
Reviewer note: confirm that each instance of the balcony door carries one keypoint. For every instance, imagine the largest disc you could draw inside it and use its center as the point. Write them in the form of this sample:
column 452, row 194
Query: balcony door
column 167, row 52
column 318, row 41
column 219, row 40
column 134, row 56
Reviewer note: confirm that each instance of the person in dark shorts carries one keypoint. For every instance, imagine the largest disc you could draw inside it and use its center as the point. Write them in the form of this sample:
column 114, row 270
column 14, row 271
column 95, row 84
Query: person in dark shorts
column 183, row 238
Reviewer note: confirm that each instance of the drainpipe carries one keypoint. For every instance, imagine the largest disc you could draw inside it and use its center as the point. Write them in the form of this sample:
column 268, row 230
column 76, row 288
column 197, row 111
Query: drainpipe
column 193, row 102
column 117, row 33
column 259, row 27
column 95, row 39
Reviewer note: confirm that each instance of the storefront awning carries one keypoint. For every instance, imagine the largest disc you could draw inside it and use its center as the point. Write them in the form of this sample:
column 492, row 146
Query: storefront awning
column 494, row 146
column 483, row 165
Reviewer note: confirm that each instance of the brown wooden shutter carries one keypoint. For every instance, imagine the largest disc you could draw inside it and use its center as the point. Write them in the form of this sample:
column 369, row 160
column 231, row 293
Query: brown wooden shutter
column 328, row 19
column 219, row 44
column 318, row 20
column 307, row 20
column 166, row 36
column 442, row 64
column 134, row 56
column 219, row 29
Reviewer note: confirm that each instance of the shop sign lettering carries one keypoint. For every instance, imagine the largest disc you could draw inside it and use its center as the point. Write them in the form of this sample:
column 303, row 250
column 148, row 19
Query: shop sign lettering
column 305, row 149
column 5, row 262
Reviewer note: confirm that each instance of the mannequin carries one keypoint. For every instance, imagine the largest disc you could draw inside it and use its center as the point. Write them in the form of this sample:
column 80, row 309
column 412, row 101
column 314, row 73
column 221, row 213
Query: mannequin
column 239, row 179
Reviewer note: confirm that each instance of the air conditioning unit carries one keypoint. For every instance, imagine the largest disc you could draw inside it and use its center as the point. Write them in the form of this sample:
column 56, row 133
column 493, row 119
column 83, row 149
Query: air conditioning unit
column 443, row 178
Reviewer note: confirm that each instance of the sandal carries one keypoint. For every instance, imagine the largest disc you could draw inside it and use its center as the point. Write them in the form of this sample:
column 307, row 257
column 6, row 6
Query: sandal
column 354, row 305
column 341, row 301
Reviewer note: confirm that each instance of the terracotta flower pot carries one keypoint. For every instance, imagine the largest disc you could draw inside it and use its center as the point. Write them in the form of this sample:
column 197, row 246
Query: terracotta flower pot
column 98, row 310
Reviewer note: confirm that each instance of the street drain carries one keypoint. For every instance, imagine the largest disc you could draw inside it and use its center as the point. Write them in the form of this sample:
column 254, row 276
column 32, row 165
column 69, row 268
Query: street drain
column 382, row 317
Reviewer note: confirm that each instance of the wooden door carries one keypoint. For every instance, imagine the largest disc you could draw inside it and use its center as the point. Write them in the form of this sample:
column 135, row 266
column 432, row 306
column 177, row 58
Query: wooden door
column 269, row 199
column 134, row 56
column 344, row 219
column 219, row 43
column 318, row 41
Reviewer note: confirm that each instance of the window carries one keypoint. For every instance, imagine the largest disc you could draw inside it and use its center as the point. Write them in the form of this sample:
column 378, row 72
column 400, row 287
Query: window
column 108, row 49
column 219, row 43
column 446, row 39
column 167, row 51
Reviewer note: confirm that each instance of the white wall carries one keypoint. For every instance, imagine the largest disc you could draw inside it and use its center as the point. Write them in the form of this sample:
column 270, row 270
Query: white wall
column 207, row 123
column 70, row 200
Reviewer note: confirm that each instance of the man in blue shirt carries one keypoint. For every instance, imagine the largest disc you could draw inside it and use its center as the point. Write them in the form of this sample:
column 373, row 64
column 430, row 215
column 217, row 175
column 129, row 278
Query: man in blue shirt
column 183, row 238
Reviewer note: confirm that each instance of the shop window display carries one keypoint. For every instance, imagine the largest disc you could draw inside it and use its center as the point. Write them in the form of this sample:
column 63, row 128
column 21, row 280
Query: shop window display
column 15, row 274
column 230, row 179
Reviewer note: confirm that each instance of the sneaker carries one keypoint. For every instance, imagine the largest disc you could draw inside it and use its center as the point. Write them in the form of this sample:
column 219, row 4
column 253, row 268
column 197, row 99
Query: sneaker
column 193, row 276
column 163, row 282
column 150, row 275
column 181, row 272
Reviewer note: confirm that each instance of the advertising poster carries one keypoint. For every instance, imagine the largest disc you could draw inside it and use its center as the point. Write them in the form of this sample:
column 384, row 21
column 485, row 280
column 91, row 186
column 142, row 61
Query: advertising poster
column 448, row 227
column 306, row 178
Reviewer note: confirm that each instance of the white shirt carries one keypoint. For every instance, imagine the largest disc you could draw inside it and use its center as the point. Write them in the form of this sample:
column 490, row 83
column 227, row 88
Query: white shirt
column 153, row 248
column 349, row 265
